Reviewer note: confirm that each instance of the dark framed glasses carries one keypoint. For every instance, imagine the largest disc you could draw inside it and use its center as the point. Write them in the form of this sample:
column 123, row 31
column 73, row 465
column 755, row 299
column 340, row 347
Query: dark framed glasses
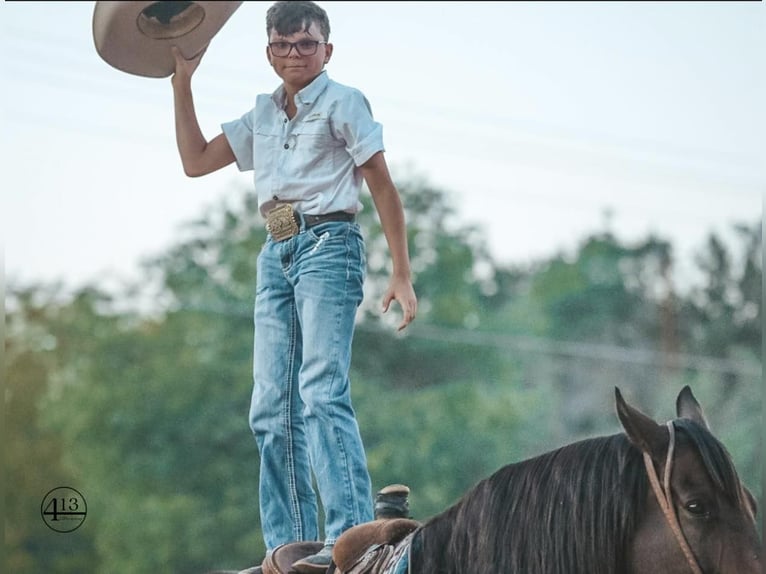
column 281, row 49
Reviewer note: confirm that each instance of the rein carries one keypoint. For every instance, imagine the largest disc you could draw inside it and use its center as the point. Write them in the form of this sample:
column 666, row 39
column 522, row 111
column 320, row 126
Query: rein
column 665, row 498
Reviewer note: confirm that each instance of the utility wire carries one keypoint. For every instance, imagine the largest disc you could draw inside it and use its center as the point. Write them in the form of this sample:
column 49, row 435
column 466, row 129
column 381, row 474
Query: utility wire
column 594, row 351
column 538, row 345
column 548, row 138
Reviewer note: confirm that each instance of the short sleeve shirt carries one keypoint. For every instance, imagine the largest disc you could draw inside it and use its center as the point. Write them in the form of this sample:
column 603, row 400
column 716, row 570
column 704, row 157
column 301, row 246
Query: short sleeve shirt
column 310, row 161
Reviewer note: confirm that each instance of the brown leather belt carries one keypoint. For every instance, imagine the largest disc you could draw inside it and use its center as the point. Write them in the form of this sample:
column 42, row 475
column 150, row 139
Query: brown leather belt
column 283, row 222
column 312, row 220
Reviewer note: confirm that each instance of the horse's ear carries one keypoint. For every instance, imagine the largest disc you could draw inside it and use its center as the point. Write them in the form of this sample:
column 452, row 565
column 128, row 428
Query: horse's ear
column 687, row 407
column 642, row 431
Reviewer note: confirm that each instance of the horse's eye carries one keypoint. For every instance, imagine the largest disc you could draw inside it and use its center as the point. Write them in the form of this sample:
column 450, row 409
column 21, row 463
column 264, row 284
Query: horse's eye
column 697, row 508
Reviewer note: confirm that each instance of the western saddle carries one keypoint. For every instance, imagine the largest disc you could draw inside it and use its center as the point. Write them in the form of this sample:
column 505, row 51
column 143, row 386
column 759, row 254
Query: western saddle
column 382, row 546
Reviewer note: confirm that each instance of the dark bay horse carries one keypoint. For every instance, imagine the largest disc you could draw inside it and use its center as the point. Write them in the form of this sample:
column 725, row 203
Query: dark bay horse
column 656, row 499
column 590, row 508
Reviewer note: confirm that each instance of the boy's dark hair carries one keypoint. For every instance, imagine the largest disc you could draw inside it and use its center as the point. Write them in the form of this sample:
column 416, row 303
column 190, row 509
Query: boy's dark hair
column 288, row 17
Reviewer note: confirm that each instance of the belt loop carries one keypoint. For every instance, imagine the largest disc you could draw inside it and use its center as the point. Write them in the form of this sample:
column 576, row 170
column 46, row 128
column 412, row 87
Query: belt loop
column 300, row 220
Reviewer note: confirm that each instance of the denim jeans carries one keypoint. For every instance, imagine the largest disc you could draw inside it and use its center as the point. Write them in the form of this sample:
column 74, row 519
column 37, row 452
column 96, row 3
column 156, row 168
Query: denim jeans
column 308, row 290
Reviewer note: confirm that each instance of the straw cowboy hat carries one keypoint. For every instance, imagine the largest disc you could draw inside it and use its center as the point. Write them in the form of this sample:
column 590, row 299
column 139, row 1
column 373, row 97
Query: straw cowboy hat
column 136, row 37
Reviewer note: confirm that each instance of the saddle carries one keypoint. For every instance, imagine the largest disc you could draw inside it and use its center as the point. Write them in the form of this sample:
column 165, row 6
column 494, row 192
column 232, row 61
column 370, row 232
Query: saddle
column 375, row 547
column 282, row 559
column 371, row 548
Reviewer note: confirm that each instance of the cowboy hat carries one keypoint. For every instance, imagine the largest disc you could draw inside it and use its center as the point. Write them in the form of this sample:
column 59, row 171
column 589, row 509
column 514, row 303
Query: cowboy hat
column 136, row 37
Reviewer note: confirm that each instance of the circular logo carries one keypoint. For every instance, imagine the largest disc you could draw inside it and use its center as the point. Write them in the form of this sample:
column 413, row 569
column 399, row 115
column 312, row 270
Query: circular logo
column 64, row 509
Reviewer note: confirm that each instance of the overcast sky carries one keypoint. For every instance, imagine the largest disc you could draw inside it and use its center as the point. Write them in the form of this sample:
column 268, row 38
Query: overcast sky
column 536, row 118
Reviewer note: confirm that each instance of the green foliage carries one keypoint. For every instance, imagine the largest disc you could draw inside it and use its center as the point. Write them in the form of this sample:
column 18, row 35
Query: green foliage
column 36, row 457
column 457, row 283
column 607, row 293
column 439, row 452
column 725, row 311
column 146, row 413
column 171, row 398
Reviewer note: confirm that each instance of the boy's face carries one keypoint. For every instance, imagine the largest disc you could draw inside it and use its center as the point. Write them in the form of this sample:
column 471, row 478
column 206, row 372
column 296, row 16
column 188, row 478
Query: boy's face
column 298, row 71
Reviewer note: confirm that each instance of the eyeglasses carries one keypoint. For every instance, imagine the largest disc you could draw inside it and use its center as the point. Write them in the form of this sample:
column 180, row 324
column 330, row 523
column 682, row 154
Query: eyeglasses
column 303, row 47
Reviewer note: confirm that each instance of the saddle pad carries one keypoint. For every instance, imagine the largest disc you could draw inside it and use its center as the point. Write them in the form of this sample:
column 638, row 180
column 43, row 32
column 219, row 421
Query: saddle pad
column 384, row 558
column 360, row 540
column 281, row 560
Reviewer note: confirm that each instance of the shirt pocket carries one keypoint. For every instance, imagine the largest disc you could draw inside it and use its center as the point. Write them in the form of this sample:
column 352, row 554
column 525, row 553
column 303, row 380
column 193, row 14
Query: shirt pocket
column 313, row 135
column 265, row 143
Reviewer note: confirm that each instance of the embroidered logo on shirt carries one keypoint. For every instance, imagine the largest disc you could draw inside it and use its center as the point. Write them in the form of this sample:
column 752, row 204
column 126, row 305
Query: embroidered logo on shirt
column 315, row 116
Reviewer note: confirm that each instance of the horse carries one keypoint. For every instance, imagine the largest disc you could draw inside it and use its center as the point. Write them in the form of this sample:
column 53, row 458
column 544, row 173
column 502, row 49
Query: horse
column 597, row 506
column 654, row 499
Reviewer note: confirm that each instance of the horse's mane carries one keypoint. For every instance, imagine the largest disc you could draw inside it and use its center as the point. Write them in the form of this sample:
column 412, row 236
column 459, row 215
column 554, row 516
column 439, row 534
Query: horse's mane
column 562, row 512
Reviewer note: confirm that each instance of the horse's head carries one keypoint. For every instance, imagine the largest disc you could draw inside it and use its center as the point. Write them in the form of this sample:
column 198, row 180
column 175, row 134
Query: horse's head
column 711, row 512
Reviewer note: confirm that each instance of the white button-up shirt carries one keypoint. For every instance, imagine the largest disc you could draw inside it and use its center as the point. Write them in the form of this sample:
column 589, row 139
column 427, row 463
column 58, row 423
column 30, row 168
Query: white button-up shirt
column 310, row 161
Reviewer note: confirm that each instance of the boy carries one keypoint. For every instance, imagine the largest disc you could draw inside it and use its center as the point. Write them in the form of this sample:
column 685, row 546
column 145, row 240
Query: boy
column 310, row 144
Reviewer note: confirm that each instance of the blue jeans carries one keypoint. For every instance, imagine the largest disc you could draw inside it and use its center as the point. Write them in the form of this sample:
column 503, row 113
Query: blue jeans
column 308, row 290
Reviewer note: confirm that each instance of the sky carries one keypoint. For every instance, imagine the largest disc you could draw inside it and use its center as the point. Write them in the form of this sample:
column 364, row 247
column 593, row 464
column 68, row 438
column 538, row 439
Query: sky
column 537, row 119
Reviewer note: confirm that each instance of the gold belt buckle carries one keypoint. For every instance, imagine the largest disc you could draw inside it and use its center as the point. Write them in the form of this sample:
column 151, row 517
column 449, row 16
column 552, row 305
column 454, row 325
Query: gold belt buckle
column 280, row 222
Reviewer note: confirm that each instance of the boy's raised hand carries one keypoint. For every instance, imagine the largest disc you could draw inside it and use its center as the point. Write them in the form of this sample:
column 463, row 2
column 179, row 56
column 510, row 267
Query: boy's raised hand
column 185, row 68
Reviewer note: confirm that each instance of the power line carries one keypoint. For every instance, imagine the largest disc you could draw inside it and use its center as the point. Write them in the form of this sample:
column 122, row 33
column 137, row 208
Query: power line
column 537, row 345
column 574, row 144
column 594, row 351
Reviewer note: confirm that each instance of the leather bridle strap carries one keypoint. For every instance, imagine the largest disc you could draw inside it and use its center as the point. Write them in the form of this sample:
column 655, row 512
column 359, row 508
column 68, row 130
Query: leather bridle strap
column 665, row 499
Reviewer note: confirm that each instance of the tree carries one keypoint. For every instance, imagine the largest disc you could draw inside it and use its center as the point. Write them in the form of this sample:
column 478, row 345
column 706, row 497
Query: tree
column 37, row 458
column 457, row 283
column 724, row 313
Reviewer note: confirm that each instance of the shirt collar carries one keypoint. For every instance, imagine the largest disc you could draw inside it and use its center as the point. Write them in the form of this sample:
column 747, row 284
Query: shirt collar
column 307, row 95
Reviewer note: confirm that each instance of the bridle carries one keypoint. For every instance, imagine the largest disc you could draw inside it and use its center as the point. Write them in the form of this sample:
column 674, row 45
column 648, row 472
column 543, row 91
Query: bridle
column 665, row 498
